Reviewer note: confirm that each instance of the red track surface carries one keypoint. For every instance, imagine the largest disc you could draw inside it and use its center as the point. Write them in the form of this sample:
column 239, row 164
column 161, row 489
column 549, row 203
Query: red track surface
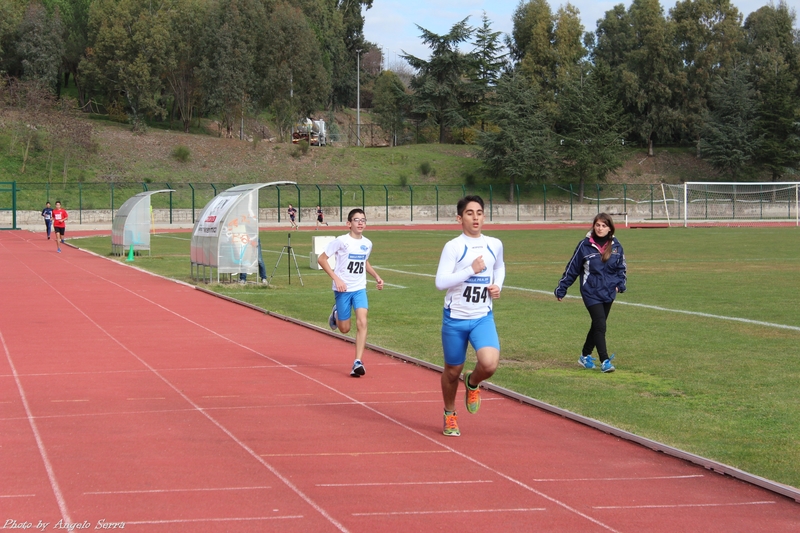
column 128, row 398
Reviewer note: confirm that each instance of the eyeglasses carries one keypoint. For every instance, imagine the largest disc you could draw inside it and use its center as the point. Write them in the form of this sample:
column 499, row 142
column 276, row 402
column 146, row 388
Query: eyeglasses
column 359, row 220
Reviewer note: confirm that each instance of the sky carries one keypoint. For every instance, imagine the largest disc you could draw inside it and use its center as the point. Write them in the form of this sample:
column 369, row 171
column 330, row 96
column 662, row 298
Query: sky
column 392, row 24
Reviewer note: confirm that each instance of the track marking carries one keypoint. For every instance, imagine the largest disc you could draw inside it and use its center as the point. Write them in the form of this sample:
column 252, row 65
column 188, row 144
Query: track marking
column 250, row 451
column 17, row 495
column 294, row 488
column 400, row 513
column 144, row 399
column 678, row 505
column 354, row 454
column 62, row 505
column 620, row 478
column 622, row 302
column 222, row 396
column 68, row 401
column 203, row 520
column 160, row 491
column 401, row 484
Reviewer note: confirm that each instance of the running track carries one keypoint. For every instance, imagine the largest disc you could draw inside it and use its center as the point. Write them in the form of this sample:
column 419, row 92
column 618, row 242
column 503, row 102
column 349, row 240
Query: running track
column 128, row 398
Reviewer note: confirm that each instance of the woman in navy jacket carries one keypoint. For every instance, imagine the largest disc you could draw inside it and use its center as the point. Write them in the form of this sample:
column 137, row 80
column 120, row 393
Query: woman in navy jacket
column 600, row 263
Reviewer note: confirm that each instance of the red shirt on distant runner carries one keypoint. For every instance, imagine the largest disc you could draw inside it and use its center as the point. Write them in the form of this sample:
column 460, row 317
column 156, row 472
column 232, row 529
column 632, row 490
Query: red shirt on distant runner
column 60, row 217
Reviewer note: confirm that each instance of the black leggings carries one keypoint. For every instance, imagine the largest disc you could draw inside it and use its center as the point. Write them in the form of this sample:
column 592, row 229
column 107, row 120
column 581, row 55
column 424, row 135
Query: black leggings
column 596, row 338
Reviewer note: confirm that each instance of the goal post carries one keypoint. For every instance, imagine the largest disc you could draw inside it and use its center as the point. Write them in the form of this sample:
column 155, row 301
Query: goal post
column 738, row 203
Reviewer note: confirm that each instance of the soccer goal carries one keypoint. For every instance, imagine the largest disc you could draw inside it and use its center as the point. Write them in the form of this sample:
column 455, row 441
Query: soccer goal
column 737, row 204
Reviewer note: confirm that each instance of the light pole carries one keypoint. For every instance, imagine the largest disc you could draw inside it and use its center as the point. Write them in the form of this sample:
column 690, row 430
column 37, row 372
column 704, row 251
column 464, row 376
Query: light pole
column 358, row 97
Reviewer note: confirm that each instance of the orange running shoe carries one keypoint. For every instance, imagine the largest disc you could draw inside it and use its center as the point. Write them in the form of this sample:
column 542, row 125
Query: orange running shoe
column 451, row 425
column 473, row 396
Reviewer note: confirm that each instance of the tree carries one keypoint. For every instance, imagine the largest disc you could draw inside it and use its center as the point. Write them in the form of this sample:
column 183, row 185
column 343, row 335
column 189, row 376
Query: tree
column 442, row 93
column 389, row 103
column 11, row 13
column 75, row 19
column 591, row 129
column 294, row 77
column 728, row 139
column 636, row 54
column 709, row 37
column 182, row 65
column 128, row 43
column 227, row 67
column 774, row 57
column 39, row 45
column 519, row 142
column 489, row 62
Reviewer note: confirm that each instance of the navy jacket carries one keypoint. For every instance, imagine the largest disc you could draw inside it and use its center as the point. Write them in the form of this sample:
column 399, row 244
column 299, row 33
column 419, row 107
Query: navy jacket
column 599, row 281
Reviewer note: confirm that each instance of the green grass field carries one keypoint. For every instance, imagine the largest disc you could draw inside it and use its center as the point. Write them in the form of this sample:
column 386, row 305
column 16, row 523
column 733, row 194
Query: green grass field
column 706, row 337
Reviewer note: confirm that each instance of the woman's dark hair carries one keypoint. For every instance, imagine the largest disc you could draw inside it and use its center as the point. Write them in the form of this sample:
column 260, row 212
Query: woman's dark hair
column 606, row 219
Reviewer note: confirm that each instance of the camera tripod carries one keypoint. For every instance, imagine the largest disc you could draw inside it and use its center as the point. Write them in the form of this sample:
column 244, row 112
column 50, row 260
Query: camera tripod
column 290, row 257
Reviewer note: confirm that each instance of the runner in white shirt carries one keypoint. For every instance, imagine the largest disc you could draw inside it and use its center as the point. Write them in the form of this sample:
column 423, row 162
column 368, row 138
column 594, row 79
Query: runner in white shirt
column 472, row 271
column 351, row 252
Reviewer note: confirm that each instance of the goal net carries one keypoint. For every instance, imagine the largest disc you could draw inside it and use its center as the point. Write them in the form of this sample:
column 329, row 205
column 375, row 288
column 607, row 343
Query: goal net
column 735, row 204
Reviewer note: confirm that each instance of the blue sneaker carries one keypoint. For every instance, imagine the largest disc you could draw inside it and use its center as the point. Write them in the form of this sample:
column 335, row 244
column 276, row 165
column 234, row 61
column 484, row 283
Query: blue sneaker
column 332, row 318
column 606, row 366
column 586, row 361
column 358, row 369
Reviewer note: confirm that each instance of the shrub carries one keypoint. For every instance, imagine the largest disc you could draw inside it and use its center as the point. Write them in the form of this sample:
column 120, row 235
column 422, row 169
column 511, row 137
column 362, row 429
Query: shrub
column 181, row 153
column 425, row 168
column 402, row 180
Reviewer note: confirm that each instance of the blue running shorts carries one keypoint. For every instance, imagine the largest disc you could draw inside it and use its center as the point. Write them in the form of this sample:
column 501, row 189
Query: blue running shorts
column 480, row 332
column 347, row 300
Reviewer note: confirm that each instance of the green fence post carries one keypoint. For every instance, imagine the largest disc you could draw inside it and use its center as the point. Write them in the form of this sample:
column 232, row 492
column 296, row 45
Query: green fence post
column 80, row 203
column 385, row 188
column 491, row 203
column 437, row 202
column 463, row 191
column 192, row 187
column 516, row 186
column 571, row 199
column 170, row 204
column 278, row 188
column 215, row 189
column 624, row 198
column 544, row 201
column 112, row 200
column 598, row 197
column 13, row 205
column 47, row 189
column 299, row 205
column 411, row 192
column 144, row 187
column 341, row 202
column 363, row 200
column 651, row 202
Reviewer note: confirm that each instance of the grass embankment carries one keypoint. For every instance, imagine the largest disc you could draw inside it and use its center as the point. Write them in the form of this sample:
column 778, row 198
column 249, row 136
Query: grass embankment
column 704, row 382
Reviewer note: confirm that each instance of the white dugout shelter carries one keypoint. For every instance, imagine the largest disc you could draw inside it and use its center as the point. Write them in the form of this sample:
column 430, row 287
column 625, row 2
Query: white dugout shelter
column 131, row 225
column 225, row 236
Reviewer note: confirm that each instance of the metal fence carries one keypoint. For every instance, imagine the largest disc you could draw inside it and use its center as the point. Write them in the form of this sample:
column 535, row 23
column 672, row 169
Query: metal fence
column 97, row 202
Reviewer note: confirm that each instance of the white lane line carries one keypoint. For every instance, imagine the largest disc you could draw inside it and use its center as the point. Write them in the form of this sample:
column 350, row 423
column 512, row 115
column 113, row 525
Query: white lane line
column 212, row 520
column 622, row 302
column 343, row 394
column 457, row 511
column 17, row 496
column 353, row 454
column 388, row 484
column 144, row 399
column 645, row 478
column 160, row 491
column 286, row 481
column 68, row 401
column 678, row 505
column 62, row 504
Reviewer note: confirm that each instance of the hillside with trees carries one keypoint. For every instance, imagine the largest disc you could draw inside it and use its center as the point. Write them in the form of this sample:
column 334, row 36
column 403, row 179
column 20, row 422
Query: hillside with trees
column 550, row 102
